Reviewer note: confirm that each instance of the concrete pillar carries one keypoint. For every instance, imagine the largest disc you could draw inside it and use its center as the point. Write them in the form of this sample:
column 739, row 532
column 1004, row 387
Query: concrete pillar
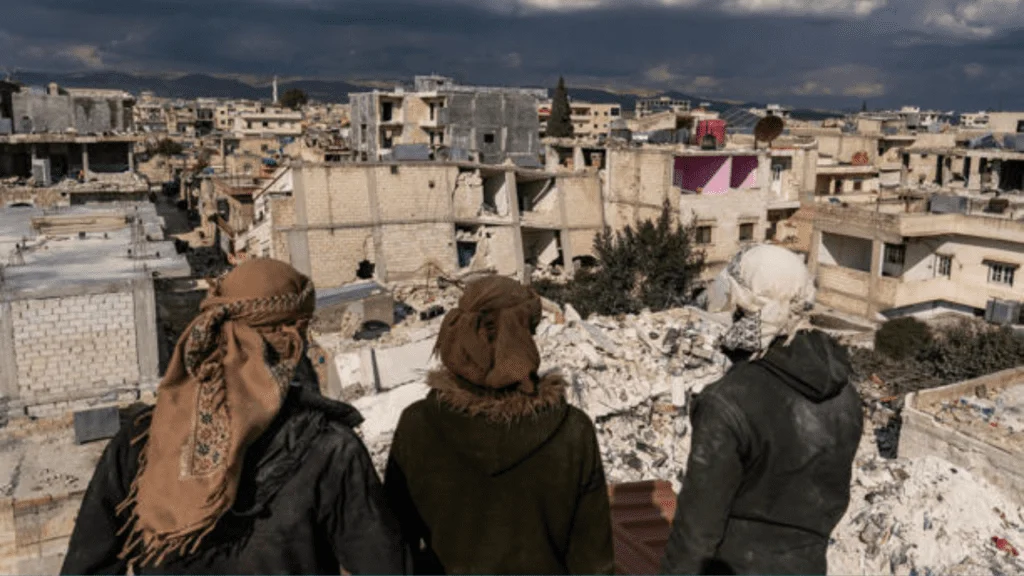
column 764, row 170
column 578, row 162
column 8, row 360
column 565, row 232
column 380, row 259
column 517, row 236
column 85, row 159
column 551, row 159
column 131, row 157
column 877, row 251
column 35, row 152
column 146, row 332
column 974, row 179
column 814, row 252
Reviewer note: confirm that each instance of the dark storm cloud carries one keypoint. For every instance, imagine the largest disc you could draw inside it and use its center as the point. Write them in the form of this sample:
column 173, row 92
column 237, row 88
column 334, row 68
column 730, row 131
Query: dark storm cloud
column 939, row 53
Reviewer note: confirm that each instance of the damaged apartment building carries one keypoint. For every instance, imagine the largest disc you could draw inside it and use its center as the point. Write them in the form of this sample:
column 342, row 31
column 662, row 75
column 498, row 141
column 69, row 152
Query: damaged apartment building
column 65, row 134
column 438, row 116
column 406, row 221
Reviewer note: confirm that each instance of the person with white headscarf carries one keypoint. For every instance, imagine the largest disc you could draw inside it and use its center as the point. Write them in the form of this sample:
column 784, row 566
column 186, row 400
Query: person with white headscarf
column 768, row 476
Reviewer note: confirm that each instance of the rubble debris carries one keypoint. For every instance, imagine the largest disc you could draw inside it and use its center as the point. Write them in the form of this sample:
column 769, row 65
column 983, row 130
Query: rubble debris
column 922, row 516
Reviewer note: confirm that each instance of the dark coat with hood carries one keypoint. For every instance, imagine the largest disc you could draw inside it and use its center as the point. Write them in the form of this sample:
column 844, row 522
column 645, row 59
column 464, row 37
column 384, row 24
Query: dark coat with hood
column 769, row 472
column 485, row 484
column 309, row 502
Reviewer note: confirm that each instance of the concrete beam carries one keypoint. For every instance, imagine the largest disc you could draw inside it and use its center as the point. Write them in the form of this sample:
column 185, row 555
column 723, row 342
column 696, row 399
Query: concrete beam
column 8, row 360
column 146, row 332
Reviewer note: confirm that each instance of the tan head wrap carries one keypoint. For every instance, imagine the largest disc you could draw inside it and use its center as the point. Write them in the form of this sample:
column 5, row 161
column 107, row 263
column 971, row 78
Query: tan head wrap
column 225, row 384
column 488, row 339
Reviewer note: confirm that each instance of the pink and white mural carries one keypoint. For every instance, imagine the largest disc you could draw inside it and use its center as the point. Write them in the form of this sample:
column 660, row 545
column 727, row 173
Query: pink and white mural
column 714, row 174
column 744, row 172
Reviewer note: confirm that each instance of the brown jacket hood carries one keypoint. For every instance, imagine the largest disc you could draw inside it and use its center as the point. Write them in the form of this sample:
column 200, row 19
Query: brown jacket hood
column 495, row 430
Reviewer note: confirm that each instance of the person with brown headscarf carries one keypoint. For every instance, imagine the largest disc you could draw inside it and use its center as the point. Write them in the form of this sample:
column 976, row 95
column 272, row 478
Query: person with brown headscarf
column 242, row 467
column 493, row 472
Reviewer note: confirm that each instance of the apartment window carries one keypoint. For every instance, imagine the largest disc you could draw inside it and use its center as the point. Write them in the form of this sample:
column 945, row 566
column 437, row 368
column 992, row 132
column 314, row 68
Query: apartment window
column 266, row 124
column 746, row 232
column 615, row 111
column 858, row 185
column 777, row 173
column 999, row 273
column 703, row 235
column 895, row 253
column 943, row 265
column 489, row 138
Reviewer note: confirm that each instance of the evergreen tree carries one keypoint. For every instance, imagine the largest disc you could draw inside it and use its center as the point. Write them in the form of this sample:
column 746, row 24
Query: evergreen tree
column 864, row 106
column 294, row 98
column 560, row 120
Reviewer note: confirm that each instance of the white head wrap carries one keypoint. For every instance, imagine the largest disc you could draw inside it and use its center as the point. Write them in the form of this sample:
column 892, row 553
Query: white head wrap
column 772, row 287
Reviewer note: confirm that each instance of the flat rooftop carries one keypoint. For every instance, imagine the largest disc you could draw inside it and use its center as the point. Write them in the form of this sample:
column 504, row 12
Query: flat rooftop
column 83, row 245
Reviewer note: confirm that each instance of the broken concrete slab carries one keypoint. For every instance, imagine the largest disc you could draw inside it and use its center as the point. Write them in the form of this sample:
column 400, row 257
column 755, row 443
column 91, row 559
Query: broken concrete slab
column 404, row 364
column 382, row 411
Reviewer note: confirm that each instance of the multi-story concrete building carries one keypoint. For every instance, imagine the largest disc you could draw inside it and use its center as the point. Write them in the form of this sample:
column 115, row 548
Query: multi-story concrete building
column 884, row 261
column 417, row 219
column 733, row 196
column 245, row 118
column 490, row 123
column 588, row 120
column 651, row 106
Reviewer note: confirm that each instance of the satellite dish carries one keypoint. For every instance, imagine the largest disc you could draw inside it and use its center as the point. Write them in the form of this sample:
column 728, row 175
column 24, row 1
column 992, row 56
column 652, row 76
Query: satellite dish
column 768, row 128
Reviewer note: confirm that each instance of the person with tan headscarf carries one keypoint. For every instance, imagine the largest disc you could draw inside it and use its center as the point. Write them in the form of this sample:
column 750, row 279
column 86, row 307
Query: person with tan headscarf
column 241, row 467
column 494, row 473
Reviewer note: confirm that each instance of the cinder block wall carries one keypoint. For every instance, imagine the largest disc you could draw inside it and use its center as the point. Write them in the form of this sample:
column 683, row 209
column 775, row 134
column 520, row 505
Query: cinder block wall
column 74, row 344
column 67, row 351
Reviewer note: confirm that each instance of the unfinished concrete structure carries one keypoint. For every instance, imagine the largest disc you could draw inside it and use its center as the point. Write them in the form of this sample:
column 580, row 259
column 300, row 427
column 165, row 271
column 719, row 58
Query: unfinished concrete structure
column 78, row 283
column 491, row 123
column 398, row 221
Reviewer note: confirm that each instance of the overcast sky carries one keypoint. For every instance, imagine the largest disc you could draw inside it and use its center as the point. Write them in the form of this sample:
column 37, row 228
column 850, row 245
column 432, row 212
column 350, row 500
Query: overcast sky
column 962, row 54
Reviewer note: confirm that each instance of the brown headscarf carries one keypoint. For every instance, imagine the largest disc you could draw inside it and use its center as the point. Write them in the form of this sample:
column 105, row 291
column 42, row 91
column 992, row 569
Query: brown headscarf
column 225, row 384
column 488, row 339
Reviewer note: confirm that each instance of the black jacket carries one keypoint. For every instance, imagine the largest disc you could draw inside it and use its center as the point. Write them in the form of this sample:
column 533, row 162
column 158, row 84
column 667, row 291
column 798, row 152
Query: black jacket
column 480, row 497
column 769, row 472
column 309, row 502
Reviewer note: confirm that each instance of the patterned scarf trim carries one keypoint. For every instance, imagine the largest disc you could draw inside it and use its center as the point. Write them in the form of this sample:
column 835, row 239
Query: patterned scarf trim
column 203, row 360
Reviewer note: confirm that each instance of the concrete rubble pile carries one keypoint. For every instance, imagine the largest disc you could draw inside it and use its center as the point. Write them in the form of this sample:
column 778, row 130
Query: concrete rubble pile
column 634, row 375
column 924, row 517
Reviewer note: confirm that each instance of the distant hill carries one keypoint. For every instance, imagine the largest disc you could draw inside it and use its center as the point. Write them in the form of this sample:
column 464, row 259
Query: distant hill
column 199, row 85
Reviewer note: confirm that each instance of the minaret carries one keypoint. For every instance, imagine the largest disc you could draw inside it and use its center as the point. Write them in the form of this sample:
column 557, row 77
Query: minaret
column 275, row 90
